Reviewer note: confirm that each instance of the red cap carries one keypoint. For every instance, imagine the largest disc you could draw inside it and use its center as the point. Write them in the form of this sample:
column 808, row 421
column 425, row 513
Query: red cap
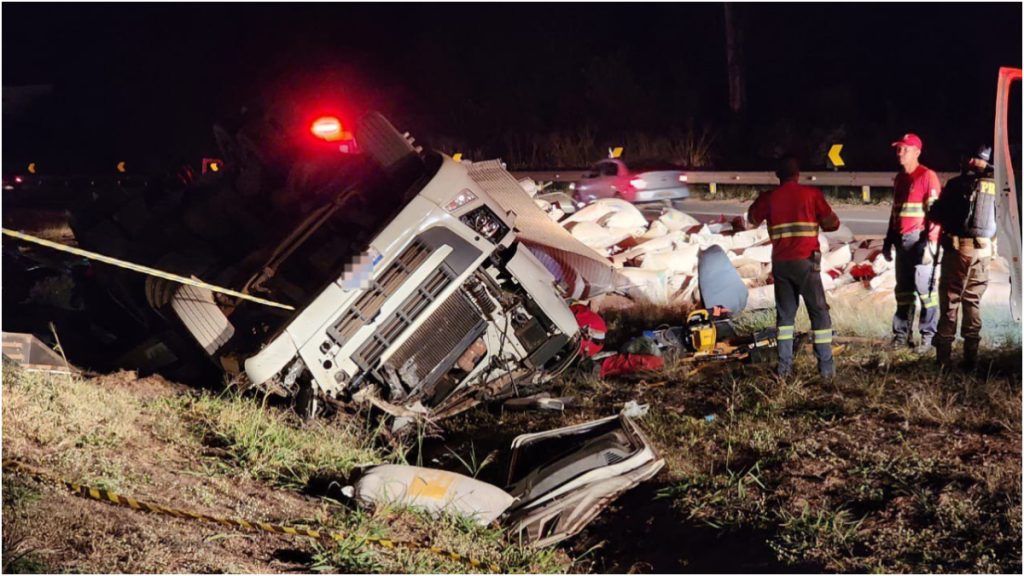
column 910, row 139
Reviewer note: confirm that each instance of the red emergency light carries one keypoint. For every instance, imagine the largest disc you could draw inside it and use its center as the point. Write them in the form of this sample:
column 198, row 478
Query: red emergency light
column 327, row 128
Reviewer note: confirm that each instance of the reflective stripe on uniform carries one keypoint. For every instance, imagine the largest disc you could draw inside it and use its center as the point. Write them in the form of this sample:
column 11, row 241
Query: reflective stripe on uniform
column 785, row 332
column 905, row 297
column 912, row 210
column 793, row 229
column 823, row 336
column 930, row 300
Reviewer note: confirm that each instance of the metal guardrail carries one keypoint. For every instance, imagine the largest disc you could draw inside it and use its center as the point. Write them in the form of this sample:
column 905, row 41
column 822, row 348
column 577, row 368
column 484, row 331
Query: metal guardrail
column 852, row 179
column 865, row 180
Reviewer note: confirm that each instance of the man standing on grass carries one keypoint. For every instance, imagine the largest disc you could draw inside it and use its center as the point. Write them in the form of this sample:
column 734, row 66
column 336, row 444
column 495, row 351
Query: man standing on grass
column 794, row 214
column 915, row 188
column 966, row 210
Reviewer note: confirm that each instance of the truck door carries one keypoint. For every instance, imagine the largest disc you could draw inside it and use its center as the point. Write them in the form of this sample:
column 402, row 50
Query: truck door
column 1006, row 158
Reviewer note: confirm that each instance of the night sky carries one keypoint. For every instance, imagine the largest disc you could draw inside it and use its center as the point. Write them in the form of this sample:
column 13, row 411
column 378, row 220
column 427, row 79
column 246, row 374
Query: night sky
column 147, row 82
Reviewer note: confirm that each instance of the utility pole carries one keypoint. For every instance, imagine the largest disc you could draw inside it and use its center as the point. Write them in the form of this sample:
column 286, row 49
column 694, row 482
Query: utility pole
column 734, row 59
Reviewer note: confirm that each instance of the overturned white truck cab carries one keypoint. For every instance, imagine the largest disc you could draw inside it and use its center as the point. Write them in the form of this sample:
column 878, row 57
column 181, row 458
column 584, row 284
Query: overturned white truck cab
column 443, row 308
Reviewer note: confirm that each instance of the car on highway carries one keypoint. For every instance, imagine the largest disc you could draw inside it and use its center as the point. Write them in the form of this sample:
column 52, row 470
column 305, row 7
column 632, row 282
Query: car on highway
column 650, row 182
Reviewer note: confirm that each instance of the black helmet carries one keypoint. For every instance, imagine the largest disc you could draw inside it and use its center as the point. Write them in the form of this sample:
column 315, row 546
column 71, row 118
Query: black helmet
column 983, row 152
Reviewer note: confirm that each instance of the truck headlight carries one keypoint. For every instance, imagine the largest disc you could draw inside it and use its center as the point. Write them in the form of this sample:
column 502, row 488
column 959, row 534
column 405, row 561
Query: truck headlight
column 485, row 223
column 464, row 197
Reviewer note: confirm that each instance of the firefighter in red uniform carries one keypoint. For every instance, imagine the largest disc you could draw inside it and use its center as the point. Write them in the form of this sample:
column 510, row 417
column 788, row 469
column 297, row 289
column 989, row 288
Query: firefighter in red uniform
column 795, row 213
column 916, row 244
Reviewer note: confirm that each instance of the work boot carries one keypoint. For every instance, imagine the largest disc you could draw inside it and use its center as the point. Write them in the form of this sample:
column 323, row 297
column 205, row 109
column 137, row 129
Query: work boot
column 943, row 351
column 898, row 343
column 924, row 347
column 970, row 355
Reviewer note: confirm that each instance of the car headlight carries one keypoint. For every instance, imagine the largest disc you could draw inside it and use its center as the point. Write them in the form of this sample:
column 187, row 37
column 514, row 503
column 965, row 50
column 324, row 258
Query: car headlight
column 638, row 183
column 572, row 185
column 485, row 223
column 464, row 197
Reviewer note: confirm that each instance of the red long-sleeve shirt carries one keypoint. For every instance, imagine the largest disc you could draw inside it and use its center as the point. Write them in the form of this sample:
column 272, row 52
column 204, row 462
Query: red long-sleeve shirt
column 913, row 195
column 794, row 213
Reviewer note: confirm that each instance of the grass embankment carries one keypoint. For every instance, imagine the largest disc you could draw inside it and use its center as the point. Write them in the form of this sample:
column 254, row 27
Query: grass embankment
column 894, row 467
column 223, row 455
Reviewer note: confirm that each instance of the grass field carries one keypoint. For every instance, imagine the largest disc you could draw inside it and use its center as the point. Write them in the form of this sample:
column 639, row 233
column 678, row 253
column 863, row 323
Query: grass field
column 894, row 467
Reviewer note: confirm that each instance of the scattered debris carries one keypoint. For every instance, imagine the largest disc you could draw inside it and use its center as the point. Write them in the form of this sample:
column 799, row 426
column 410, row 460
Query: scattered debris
column 552, row 493
column 633, row 410
column 541, row 401
column 621, row 364
column 31, row 354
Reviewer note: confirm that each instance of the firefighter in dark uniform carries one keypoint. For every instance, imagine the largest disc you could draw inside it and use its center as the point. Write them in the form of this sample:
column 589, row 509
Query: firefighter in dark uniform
column 966, row 210
column 916, row 243
column 795, row 213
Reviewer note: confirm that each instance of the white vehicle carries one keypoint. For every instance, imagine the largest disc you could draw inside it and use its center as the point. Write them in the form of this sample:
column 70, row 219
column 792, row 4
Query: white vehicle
column 410, row 288
column 611, row 178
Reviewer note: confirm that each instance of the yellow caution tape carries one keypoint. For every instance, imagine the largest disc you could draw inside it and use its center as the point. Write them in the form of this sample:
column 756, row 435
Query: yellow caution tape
column 141, row 269
column 143, row 506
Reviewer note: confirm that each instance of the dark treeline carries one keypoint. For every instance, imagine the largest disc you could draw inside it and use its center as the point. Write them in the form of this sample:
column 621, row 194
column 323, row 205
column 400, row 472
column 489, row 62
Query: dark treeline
column 528, row 83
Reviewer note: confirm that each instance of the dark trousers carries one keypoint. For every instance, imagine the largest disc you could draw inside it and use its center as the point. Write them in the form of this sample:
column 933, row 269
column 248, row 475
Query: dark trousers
column 914, row 284
column 963, row 282
column 793, row 279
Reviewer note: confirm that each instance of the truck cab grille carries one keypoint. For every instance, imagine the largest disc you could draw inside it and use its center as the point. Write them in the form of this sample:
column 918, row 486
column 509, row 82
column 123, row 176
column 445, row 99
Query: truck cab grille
column 368, row 305
column 367, row 355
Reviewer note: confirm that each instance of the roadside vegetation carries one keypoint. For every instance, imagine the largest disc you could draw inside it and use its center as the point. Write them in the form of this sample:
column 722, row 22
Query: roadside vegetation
column 225, row 455
column 689, row 146
column 894, row 467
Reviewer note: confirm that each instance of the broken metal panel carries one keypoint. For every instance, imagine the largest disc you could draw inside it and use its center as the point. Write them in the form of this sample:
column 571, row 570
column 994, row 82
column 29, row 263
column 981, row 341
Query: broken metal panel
column 616, row 440
column 720, row 283
column 570, row 483
column 539, row 282
column 31, row 354
column 536, row 229
column 434, row 491
column 565, row 516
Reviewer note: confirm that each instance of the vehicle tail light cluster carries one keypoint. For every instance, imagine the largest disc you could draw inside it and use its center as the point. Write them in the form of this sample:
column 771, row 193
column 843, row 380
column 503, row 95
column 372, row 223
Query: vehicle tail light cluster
column 327, row 128
column 331, row 130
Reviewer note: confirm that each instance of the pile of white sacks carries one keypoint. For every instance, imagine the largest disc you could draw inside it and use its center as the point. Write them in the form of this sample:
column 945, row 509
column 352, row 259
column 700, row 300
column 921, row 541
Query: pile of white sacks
column 659, row 258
